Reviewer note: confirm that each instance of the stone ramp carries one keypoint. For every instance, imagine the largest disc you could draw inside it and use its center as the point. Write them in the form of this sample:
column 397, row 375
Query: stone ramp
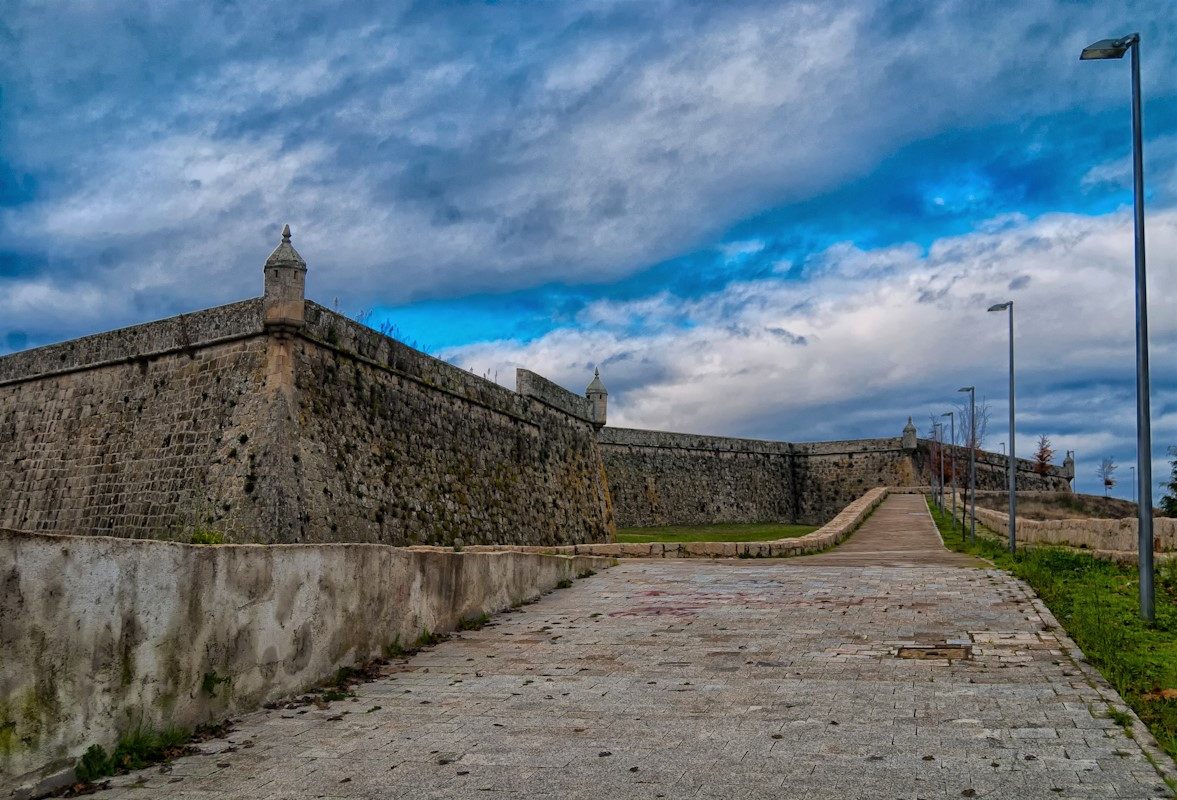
column 900, row 532
column 692, row 679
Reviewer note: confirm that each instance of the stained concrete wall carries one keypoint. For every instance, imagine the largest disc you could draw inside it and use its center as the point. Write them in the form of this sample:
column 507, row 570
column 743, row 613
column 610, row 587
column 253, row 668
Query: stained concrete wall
column 99, row 634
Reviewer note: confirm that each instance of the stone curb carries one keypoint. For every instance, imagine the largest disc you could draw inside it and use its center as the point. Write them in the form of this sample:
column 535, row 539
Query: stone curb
column 1139, row 732
column 832, row 533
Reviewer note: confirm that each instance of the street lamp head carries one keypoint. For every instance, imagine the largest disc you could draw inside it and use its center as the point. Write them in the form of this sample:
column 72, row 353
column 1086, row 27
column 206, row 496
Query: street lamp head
column 1001, row 306
column 965, row 389
column 1109, row 48
column 947, row 414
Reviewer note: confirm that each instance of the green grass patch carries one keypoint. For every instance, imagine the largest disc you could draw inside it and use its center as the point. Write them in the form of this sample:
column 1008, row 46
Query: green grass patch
column 473, row 623
column 136, row 750
column 207, row 536
column 726, row 532
column 1097, row 602
column 427, row 638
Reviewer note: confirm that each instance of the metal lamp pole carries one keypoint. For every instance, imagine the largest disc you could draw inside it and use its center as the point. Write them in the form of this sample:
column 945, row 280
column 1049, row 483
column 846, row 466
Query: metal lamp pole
column 1107, row 49
column 939, row 428
column 972, row 461
column 952, row 419
column 1013, row 459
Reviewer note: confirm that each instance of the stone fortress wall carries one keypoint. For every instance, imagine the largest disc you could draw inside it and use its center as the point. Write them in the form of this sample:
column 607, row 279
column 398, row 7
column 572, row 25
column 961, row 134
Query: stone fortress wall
column 277, row 420
column 660, row 478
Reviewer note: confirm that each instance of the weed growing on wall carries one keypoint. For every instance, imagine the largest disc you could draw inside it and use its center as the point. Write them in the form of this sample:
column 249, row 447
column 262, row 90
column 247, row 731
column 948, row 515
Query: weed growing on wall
column 136, row 749
column 473, row 623
column 211, row 681
column 207, row 536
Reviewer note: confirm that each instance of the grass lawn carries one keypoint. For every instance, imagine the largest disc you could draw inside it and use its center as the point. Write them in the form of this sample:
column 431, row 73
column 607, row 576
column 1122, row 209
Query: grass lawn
column 729, row 532
column 1097, row 602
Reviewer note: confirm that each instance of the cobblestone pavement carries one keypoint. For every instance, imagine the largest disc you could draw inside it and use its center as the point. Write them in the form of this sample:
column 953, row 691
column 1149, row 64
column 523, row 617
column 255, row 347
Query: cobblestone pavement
column 697, row 679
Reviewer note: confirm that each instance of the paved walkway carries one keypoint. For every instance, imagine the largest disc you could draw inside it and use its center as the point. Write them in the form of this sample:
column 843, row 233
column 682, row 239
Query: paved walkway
column 900, row 533
column 688, row 678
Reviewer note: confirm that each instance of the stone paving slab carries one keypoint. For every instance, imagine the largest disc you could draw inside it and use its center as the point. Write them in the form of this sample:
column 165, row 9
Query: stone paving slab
column 899, row 533
column 694, row 679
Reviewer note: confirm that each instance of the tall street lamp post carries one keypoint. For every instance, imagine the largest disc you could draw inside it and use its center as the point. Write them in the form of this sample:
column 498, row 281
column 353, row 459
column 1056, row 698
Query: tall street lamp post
column 952, row 441
column 972, row 461
column 938, row 427
column 1013, row 458
column 1110, row 49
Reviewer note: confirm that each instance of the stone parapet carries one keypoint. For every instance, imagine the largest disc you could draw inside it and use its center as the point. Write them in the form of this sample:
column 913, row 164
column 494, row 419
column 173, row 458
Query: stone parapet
column 529, row 384
column 138, row 343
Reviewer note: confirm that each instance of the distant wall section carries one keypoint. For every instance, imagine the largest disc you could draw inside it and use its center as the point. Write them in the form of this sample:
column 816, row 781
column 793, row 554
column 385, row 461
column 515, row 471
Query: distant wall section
column 661, row 478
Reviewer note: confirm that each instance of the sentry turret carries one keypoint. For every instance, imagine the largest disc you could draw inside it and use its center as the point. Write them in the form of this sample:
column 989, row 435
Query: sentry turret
column 598, row 398
column 283, row 303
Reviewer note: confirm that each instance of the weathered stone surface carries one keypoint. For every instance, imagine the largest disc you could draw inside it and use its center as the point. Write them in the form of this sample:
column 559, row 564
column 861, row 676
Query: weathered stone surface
column 152, row 447
column 100, row 634
column 661, row 478
column 329, row 433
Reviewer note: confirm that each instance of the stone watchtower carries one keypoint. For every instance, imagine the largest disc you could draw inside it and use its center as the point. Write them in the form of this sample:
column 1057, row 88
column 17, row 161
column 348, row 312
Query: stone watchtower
column 598, row 398
column 283, row 303
column 910, row 439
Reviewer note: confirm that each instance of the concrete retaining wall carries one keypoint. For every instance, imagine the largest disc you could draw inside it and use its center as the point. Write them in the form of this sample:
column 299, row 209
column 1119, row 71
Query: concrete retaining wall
column 100, row 634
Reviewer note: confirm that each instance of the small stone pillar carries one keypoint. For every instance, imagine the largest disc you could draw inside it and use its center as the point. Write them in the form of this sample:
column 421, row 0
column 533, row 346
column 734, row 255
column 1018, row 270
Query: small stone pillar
column 283, row 303
column 598, row 399
column 910, row 439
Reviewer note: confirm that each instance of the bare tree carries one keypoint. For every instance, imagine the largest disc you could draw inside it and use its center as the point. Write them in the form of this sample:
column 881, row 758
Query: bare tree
column 1044, row 456
column 964, row 424
column 1106, row 472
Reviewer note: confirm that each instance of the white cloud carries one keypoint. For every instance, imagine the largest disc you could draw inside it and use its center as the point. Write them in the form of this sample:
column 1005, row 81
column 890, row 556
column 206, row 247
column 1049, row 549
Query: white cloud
column 871, row 342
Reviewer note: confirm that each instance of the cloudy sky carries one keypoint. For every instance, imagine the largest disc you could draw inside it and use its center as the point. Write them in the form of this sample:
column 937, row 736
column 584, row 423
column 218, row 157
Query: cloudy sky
column 779, row 220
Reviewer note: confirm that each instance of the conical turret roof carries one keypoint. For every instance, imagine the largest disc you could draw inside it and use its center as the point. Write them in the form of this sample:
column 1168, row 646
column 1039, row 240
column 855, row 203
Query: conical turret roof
column 284, row 254
column 596, row 387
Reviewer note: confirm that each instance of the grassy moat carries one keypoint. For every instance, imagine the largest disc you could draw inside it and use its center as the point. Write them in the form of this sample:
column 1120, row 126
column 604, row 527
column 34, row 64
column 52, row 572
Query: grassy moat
column 1096, row 601
column 727, row 532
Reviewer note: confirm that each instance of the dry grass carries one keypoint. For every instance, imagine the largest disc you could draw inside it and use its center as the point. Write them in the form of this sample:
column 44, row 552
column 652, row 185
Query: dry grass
column 1059, row 505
